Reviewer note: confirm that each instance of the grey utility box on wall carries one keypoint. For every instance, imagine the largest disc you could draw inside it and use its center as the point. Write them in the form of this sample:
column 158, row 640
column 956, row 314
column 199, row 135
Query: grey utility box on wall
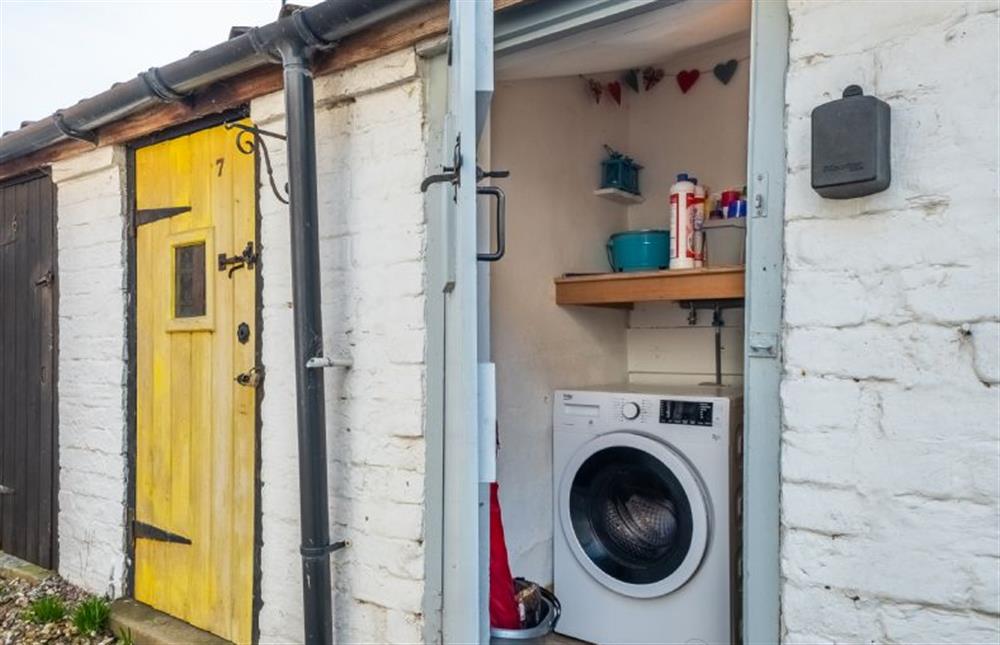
column 850, row 146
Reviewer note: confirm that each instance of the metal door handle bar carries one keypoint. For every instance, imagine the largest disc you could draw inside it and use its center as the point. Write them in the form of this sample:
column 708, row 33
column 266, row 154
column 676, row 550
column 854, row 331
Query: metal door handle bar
column 501, row 229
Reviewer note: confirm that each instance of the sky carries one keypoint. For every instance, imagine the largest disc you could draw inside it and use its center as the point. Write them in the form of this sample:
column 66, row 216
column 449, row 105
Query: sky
column 54, row 53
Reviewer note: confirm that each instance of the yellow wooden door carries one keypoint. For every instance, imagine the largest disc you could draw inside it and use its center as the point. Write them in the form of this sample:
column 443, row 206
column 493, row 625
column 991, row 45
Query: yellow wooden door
column 195, row 426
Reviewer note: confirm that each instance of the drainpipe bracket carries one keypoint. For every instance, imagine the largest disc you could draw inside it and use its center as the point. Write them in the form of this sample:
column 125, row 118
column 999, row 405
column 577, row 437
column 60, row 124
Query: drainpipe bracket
column 71, row 132
column 318, row 362
column 155, row 83
column 314, row 552
column 271, row 53
column 309, row 37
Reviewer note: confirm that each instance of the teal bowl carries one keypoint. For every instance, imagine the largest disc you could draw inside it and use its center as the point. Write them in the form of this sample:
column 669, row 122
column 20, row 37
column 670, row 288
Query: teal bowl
column 639, row 251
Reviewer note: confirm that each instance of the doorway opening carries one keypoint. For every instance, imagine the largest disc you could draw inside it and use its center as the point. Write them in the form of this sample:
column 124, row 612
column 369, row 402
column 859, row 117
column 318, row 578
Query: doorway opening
column 584, row 320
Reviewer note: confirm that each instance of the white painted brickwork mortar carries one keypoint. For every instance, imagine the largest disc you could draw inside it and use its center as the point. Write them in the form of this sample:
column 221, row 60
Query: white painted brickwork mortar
column 372, row 153
column 891, row 401
column 92, row 368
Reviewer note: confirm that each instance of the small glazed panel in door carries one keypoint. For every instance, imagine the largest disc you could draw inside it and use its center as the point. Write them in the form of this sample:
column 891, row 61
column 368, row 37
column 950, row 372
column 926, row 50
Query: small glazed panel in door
column 195, row 424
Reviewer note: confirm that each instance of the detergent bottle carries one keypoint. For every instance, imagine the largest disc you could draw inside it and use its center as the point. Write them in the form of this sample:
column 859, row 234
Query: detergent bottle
column 682, row 196
column 698, row 217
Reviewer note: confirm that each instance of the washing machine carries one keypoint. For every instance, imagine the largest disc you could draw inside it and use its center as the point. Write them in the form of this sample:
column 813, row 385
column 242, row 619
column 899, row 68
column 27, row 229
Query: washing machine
column 647, row 513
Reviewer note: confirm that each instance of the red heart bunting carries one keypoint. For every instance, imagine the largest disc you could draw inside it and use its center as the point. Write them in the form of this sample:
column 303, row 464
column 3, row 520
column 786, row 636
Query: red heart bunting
column 687, row 78
column 615, row 90
column 595, row 89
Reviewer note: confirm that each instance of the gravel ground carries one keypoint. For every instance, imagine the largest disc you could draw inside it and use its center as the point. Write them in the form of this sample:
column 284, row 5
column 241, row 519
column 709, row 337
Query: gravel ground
column 15, row 596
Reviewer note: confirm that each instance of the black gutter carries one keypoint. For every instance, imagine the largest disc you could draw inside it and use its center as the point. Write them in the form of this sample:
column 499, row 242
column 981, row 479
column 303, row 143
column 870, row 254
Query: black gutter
column 326, row 22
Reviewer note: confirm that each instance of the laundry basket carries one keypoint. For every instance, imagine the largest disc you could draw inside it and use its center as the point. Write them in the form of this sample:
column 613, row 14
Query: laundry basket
column 538, row 621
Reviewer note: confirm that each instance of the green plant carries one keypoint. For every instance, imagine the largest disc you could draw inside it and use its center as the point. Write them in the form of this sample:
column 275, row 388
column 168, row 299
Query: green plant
column 47, row 609
column 91, row 616
column 125, row 637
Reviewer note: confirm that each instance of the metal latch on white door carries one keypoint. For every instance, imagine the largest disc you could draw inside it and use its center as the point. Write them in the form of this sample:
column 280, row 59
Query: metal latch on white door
column 762, row 345
column 760, row 186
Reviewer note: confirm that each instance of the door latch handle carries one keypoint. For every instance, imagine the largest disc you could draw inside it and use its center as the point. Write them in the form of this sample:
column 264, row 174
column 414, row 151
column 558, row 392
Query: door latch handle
column 491, row 174
column 245, row 259
column 449, row 175
column 501, row 226
column 6, row 490
column 46, row 279
column 250, row 378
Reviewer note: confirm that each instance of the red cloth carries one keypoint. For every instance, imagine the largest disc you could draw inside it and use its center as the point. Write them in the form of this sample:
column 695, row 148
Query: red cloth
column 503, row 603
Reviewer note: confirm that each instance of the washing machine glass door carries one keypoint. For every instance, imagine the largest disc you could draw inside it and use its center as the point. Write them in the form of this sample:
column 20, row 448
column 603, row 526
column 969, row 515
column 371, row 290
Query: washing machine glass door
column 634, row 514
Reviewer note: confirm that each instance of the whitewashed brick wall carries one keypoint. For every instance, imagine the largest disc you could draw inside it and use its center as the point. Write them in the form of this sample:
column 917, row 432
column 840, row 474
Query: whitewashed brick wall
column 890, row 455
column 371, row 153
column 92, row 368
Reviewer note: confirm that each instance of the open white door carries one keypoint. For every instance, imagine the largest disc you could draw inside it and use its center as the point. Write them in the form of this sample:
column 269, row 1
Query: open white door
column 465, row 531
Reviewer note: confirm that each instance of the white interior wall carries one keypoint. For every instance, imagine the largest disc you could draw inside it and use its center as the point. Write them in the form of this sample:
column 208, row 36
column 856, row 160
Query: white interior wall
column 549, row 135
column 704, row 133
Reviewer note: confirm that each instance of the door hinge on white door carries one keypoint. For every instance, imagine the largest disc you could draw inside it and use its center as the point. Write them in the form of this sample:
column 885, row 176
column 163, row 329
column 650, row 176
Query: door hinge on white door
column 762, row 345
column 760, row 195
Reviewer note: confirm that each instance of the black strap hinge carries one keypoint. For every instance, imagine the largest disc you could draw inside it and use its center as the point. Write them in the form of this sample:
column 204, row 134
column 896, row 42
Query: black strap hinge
column 150, row 532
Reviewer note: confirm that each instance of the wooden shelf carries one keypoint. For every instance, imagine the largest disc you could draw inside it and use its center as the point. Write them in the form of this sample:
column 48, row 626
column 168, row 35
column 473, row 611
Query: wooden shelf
column 624, row 289
column 619, row 196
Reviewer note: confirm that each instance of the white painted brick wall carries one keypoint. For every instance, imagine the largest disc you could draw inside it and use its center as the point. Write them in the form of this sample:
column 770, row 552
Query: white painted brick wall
column 891, row 408
column 371, row 153
column 92, row 368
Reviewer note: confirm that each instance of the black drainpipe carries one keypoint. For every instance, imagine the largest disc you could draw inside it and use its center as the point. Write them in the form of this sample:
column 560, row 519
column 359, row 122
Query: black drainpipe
column 310, row 402
column 314, row 504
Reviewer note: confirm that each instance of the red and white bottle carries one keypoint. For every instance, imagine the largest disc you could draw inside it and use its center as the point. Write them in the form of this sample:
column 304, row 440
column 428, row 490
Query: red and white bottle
column 682, row 233
column 698, row 217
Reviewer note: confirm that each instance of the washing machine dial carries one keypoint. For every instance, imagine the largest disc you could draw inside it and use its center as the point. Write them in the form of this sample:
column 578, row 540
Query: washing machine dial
column 631, row 410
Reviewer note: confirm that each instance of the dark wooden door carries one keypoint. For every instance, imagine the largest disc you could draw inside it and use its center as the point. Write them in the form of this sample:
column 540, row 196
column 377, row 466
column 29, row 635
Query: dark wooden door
column 28, row 448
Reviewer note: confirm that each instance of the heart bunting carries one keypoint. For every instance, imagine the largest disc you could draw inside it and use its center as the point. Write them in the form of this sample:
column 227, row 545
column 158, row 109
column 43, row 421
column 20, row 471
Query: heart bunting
column 631, row 78
column 596, row 89
column 687, row 78
column 615, row 90
column 651, row 76
column 644, row 79
column 725, row 71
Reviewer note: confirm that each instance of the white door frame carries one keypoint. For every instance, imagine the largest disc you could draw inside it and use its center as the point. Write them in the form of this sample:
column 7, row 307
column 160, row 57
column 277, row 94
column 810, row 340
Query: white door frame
column 769, row 33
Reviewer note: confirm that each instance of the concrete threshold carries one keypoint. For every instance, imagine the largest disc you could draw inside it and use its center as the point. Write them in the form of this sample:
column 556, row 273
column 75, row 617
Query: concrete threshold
column 149, row 626
column 14, row 567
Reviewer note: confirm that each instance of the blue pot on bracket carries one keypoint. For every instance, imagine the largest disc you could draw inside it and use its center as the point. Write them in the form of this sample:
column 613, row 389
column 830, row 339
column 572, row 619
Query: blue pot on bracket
column 639, row 250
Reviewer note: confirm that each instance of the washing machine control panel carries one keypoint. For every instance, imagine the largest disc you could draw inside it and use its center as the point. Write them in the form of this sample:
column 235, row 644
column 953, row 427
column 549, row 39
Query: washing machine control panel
column 632, row 410
column 687, row 413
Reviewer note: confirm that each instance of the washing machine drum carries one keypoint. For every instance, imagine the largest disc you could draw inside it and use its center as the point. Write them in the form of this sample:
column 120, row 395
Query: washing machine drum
column 637, row 517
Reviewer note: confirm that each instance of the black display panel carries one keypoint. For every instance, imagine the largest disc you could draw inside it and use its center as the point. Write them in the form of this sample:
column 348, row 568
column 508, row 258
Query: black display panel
column 687, row 413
